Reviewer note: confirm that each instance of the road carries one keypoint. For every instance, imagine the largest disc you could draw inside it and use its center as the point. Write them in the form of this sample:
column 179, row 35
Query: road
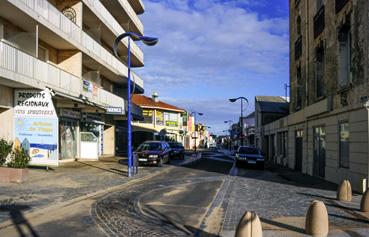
column 204, row 198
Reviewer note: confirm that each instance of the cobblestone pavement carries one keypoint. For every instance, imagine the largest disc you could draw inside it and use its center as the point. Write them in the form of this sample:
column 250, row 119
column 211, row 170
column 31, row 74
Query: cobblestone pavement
column 69, row 181
column 282, row 204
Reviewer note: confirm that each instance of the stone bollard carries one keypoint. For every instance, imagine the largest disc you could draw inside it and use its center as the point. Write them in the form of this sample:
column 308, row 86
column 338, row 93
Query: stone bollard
column 344, row 191
column 249, row 226
column 316, row 223
column 364, row 204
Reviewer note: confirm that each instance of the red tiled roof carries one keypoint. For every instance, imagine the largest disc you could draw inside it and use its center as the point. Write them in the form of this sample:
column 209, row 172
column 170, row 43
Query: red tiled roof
column 147, row 102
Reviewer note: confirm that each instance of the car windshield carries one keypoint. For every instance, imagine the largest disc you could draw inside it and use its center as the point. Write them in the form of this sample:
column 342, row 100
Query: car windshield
column 175, row 145
column 149, row 146
column 248, row 150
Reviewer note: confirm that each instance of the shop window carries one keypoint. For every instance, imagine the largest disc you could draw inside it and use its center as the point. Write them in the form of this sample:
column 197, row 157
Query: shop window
column 344, row 71
column 319, row 72
column 147, row 115
column 344, row 149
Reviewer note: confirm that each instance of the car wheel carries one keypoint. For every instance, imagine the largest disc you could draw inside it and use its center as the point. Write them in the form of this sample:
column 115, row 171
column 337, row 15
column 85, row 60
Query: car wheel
column 261, row 166
column 238, row 164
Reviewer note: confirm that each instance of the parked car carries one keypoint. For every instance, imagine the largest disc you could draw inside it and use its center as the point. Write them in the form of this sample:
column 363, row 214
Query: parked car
column 153, row 153
column 249, row 155
column 177, row 150
column 213, row 145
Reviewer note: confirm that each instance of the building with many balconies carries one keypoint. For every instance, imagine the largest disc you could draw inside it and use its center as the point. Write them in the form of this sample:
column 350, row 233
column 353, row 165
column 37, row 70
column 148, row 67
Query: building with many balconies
column 58, row 53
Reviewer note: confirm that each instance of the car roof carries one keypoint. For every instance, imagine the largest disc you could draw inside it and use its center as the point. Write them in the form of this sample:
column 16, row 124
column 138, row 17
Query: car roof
column 153, row 141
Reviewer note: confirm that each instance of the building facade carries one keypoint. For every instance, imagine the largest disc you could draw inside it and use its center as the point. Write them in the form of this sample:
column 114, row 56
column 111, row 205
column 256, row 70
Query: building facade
column 327, row 129
column 62, row 91
column 161, row 121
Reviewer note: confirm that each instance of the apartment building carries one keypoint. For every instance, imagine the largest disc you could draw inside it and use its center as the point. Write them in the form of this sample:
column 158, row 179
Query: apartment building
column 62, row 91
column 327, row 127
column 160, row 121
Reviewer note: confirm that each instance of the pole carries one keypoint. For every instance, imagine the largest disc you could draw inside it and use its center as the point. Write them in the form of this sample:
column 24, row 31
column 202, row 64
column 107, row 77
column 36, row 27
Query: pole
column 241, row 122
column 195, row 132
column 129, row 111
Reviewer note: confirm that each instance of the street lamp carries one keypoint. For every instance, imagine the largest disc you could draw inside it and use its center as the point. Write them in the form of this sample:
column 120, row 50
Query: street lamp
column 149, row 41
column 234, row 100
column 195, row 113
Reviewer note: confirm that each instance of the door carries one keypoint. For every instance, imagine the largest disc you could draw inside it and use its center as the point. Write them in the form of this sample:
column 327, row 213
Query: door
column 298, row 149
column 68, row 140
column 319, row 152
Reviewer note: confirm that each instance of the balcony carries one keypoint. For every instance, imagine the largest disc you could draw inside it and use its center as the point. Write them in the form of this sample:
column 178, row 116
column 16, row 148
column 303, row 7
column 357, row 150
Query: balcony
column 99, row 10
column 340, row 4
column 68, row 35
column 127, row 18
column 319, row 22
column 137, row 5
column 23, row 70
column 298, row 48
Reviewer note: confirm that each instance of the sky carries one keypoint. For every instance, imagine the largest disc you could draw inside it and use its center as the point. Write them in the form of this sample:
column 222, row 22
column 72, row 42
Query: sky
column 213, row 50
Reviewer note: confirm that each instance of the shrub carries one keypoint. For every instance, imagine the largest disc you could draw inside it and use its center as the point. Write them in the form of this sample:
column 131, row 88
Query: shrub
column 19, row 159
column 5, row 149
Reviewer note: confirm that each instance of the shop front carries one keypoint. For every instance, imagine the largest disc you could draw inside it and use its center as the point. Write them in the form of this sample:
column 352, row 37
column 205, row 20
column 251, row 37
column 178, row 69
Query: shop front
column 92, row 136
column 69, row 133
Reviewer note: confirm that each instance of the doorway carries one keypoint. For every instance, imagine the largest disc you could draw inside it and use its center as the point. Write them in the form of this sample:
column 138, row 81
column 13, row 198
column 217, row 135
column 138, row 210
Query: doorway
column 319, row 152
column 299, row 134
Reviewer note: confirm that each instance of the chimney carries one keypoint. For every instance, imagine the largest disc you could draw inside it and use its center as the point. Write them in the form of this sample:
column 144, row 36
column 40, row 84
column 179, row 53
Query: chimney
column 155, row 97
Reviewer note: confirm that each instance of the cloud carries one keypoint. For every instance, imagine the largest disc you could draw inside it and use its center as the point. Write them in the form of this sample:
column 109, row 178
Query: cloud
column 207, row 45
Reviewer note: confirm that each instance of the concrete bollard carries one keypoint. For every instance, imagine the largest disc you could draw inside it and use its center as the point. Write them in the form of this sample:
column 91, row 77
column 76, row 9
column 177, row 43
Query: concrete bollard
column 344, row 191
column 249, row 226
column 316, row 223
column 364, row 204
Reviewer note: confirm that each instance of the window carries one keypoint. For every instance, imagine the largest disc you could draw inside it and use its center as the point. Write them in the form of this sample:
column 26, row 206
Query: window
column 43, row 53
column 319, row 4
column 319, row 72
column 298, row 88
column 344, row 40
column 344, row 149
column 147, row 114
column 298, row 25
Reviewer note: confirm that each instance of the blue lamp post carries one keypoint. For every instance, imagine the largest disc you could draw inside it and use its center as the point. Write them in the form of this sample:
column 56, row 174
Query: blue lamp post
column 150, row 41
column 195, row 113
column 242, row 99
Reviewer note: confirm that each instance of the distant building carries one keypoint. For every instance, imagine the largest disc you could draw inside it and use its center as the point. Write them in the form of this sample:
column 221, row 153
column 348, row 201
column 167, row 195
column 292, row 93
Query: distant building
column 249, row 129
column 161, row 121
column 267, row 110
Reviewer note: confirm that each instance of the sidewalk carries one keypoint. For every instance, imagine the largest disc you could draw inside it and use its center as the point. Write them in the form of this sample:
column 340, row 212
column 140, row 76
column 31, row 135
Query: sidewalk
column 67, row 182
column 281, row 198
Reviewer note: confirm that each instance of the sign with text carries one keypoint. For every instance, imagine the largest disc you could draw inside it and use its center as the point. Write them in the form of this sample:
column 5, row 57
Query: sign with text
column 36, row 126
column 114, row 110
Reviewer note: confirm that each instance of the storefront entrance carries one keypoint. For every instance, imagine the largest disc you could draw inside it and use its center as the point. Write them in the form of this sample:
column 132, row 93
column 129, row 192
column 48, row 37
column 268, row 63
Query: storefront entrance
column 68, row 139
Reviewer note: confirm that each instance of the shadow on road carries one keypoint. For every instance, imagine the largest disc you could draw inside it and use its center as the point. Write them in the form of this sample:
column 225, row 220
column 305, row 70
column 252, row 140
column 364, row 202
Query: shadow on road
column 283, row 225
column 24, row 228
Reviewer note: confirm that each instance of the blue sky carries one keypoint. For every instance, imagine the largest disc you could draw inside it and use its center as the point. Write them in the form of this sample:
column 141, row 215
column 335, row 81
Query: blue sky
column 212, row 50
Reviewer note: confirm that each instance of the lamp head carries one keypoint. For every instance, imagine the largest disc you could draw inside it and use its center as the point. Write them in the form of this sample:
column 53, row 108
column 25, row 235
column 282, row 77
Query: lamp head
column 149, row 41
column 232, row 100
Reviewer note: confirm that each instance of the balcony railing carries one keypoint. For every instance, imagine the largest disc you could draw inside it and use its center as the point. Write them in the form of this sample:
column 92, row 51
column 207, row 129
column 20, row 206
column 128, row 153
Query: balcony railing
column 319, row 22
column 340, row 5
column 36, row 73
column 298, row 48
column 93, row 48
